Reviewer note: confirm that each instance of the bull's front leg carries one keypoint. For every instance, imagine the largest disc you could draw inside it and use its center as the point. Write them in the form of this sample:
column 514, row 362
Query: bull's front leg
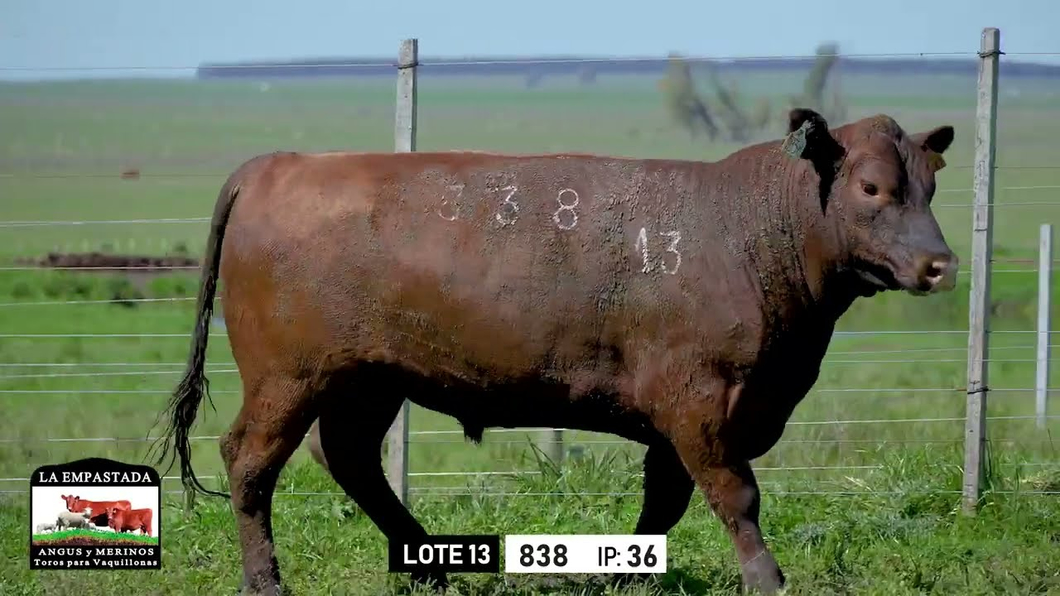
column 733, row 494
column 728, row 483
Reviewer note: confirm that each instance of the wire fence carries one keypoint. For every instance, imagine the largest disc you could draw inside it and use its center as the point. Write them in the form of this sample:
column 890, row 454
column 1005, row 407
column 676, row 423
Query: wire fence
column 946, row 348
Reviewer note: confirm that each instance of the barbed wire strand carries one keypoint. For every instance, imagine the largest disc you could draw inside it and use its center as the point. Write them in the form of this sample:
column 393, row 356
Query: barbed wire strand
column 478, row 473
column 235, row 371
column 489, row 432
column 221, row 175
column 867, row 492
column 220, row 332
column 184, row 220
column 149, row 268
column 830, row 353
column 162, row 268
column 120, row 300
column 812, row 391
column 107, row 301
column 97, row 222
column 387, row 63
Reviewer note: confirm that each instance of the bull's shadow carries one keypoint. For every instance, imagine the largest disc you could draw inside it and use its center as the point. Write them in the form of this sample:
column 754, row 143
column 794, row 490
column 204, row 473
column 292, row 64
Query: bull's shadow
column 675, row 582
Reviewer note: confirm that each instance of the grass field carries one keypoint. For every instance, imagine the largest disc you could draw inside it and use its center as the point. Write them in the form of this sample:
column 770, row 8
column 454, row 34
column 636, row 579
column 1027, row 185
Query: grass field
column 861, row 496
column 65, row 535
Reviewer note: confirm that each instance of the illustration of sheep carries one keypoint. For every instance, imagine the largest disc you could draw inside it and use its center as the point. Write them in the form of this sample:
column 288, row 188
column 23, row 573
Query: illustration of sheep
column 45, row 527
column 68, row 519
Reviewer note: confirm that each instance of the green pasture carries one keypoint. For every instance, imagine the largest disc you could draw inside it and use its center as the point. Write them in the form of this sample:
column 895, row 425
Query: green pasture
column 96, row 534
column 860, row 496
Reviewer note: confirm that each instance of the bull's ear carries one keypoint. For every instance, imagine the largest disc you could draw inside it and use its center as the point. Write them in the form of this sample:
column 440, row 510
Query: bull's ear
column 937, row 139
column 809, row 138
column 935, row 142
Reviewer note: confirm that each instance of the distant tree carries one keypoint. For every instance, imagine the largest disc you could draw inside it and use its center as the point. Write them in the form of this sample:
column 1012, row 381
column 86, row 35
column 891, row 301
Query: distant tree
column 738, row 119
column 761, row 114
column 684, row 102
column 730, row 111
column 814, row 88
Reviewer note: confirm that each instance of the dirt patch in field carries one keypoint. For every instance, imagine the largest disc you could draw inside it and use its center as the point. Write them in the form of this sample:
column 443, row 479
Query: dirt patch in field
column 89, row 541
column 97, row 261
column 126, row 276
column 138, row 269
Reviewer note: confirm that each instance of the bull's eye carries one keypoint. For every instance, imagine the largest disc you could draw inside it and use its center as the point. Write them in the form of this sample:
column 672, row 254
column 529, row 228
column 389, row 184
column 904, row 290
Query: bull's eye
column 869, row 189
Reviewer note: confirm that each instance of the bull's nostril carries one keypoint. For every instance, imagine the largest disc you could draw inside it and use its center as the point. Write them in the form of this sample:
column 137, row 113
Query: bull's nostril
column 934, row 271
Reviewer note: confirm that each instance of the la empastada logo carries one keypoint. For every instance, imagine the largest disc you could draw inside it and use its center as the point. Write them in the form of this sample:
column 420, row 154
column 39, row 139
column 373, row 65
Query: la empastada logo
column 95, row 513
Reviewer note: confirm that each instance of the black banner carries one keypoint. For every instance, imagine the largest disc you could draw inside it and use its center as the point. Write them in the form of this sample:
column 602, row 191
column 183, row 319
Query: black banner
column 447, row 554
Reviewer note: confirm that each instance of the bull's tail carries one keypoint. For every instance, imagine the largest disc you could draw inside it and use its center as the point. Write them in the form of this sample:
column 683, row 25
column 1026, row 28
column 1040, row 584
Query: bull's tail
column 184, row 404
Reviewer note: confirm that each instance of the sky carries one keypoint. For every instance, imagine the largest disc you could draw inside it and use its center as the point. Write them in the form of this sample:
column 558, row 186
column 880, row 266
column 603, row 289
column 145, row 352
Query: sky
column 53, row 34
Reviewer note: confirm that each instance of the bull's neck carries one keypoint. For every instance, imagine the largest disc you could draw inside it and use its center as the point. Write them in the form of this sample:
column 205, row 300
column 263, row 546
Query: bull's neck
column 791, row 254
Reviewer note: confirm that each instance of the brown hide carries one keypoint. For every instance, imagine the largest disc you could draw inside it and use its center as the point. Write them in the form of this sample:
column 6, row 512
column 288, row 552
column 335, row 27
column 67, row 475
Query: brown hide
column 377, row 272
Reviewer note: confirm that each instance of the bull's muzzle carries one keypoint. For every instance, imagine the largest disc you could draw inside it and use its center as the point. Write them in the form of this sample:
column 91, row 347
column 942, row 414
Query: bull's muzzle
column 937, row 273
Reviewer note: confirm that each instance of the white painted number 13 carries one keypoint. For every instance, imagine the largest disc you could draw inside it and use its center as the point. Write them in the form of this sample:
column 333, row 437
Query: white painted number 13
column 642, row 244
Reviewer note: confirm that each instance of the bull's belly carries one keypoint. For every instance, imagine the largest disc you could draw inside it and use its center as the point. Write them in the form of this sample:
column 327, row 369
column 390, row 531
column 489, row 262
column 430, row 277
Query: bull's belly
column 528, row 402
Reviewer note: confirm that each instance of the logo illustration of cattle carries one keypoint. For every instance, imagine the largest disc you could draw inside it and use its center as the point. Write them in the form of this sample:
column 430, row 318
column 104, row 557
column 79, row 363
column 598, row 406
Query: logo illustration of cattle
column 129, row 520
column 76, row 504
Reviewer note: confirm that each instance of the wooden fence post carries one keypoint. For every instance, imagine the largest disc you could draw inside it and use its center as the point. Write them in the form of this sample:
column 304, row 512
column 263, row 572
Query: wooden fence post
column 1041, row 377
column 189, row 496
column 553, row 439
column 404, row 141
column 982, row 244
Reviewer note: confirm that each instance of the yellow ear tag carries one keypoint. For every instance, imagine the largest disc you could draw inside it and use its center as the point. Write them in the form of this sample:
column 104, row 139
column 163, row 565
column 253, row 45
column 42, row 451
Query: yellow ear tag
column 935, row 161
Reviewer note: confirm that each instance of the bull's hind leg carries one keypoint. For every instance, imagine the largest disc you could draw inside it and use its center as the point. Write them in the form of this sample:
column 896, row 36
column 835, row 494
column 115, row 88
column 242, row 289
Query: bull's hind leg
column 352, row 430
column 270, row 426
column 667, row 490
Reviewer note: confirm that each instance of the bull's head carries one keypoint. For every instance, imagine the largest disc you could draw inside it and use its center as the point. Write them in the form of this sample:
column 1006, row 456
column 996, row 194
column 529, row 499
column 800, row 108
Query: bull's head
column 71, row 502
column 113, row 512
column 876, row 186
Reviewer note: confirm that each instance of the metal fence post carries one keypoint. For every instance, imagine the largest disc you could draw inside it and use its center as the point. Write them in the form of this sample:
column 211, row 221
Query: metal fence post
column 1041, row 377
column 982, row 244
column 404, row 141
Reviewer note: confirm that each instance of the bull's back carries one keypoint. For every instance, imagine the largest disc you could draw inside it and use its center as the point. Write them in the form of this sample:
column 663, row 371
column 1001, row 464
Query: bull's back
column 455, row 261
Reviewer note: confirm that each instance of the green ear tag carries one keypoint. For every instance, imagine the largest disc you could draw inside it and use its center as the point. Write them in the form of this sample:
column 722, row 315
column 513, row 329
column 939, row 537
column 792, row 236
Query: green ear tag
column 795, row 143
